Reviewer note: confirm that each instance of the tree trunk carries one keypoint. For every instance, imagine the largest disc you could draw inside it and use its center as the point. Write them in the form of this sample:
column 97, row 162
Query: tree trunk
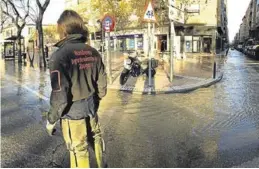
column 19, row 50
column 19, row 46
column 41, row 45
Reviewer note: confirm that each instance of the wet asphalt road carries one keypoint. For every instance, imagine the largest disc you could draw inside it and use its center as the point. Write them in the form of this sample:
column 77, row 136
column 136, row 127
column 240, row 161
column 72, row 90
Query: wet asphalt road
column 210, row 127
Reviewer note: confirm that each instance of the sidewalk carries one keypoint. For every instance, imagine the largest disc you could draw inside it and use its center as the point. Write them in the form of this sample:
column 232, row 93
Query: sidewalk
column 189, row 74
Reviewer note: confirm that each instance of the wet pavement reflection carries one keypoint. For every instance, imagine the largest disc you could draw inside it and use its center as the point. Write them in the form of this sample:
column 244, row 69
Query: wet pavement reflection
column 210, row 127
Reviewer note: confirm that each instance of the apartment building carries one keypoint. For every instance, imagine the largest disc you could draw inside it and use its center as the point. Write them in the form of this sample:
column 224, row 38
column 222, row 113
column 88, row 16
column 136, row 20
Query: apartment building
column 205, row 29
column 236, row 39
column 249, row 29
column 243, row 30
column 256, row 20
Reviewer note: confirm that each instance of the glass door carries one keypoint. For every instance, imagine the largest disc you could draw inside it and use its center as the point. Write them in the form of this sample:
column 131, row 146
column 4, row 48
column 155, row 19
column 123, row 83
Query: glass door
column 196, row 44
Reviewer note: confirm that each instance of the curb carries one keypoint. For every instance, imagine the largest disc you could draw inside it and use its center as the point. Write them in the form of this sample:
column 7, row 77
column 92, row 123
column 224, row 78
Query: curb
column 176, row 89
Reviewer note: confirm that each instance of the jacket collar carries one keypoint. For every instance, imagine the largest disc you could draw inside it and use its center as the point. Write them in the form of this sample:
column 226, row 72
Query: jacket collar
column 70, row 39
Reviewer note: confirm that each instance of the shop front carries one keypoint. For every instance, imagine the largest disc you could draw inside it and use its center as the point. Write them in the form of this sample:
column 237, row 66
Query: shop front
column 198, row 44
column 127, row 42
column 197, row 39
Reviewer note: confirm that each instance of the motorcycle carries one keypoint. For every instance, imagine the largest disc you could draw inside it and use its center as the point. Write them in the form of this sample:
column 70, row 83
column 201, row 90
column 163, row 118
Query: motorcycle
column 135, row 66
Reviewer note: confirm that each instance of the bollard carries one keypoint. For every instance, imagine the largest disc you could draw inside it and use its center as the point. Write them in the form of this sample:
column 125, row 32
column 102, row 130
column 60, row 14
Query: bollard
column 214, row 70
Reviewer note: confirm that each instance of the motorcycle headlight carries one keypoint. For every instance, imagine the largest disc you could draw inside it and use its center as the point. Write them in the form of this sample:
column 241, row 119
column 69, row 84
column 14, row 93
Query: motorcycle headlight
column 128, row 61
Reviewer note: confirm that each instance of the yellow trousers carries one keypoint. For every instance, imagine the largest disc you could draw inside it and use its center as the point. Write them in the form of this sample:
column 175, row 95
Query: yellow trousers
column 75, row 136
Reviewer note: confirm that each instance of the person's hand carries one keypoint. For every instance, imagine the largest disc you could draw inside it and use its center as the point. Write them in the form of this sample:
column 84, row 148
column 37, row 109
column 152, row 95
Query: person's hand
column 50, row 128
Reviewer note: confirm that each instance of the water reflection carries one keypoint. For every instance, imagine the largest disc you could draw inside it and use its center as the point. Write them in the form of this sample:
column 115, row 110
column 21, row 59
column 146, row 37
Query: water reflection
column 211, row 127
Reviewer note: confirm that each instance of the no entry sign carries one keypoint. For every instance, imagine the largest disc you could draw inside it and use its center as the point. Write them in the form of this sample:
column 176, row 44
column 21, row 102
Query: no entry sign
column 108, row 23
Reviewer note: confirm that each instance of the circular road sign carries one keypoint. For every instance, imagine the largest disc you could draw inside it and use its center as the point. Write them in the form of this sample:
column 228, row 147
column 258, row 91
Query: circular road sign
column 108, row 23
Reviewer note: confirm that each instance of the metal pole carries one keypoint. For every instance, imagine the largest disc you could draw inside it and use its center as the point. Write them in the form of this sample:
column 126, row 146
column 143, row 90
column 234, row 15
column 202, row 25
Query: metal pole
column 172, row 52
column 102, row 42
column 214, row 70
column 149, row 57
column 109, row 59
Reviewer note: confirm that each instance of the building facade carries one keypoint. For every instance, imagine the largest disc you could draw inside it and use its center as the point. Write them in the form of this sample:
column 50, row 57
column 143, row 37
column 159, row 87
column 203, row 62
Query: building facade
column 205, row 29
column 10, row 31
column 256, row 20
column 249, row 29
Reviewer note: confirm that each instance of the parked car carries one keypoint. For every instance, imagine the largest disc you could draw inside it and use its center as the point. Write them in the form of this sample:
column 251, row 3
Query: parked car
column 247, row 47
column 251, row 48
column 239, row 47
column 254, row 52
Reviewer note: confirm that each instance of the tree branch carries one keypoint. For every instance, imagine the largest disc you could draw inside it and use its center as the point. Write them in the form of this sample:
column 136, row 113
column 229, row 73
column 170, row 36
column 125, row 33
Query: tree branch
column 28, row 10
column 9, row 15
column 14, row 8
column 45, row 5
column 39, row 5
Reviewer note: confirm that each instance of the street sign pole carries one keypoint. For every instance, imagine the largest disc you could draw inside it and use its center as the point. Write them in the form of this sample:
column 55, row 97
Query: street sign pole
column 149, row 17
column 172, row 52
column 108, row 24
column 109, row 58
column 103, row 41
column 149, row 57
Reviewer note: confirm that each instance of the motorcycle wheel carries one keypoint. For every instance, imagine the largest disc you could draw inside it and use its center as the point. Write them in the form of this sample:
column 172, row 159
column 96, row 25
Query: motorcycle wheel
column 124, row 77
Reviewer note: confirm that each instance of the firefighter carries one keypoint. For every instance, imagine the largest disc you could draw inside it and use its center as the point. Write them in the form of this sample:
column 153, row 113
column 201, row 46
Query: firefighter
column 79, row 82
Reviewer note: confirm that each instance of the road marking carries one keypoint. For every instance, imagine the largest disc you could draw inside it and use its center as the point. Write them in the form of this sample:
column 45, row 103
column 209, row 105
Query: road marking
column 12, row 78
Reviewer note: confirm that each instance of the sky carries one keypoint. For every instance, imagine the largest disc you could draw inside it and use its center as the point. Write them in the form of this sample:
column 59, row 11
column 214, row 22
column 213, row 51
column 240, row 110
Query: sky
column 236, row 11
column 55, row 8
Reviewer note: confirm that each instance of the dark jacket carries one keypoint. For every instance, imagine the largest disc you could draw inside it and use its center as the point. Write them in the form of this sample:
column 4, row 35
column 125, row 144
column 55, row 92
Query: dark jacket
column 77, row 73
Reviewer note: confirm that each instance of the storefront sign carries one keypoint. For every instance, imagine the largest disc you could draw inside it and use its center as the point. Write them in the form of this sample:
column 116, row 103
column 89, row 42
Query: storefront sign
column 127, row 36
column 176, row 15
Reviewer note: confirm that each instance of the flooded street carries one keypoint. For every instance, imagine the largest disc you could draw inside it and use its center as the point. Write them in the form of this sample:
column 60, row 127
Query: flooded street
column 210, row 127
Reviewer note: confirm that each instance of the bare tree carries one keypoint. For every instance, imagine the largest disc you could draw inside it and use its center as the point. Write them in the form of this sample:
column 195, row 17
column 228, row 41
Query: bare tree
column 4, row 20
column 36, row 15
column 17, row 11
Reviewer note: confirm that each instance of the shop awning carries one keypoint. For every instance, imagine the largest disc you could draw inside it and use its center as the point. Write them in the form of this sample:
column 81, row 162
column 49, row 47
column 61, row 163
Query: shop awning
column 13, row 38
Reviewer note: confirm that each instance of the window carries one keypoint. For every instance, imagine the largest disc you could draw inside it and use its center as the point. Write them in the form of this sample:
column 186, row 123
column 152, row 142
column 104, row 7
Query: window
column 188, row 44
column 140, row 43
